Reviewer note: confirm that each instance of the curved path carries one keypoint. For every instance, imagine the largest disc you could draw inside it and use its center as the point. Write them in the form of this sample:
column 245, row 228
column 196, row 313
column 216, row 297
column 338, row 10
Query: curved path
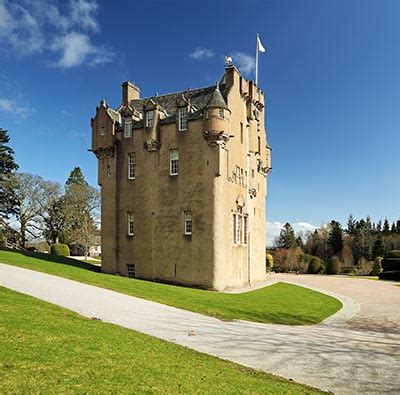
column 336, row 357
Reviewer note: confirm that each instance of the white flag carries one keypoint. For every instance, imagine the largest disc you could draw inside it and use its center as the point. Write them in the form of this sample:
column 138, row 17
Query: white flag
column 260, row 46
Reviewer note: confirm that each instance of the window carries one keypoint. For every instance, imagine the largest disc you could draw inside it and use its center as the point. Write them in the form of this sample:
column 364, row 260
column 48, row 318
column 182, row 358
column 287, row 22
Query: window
column 131, row 270
column 221, row 113
column 149, row 119
column 182, row 118
column 108, row 168
column 241, row 132
column 131, row 166
column 173, row 162
column 131, row 227
column 259, row 144
column 240, row 227
column 102, row 130
column 127, row 127
column 188, row 223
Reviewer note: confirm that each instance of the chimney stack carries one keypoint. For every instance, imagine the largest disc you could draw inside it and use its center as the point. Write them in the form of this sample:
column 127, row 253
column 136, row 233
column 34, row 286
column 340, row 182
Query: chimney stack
column 129, row 92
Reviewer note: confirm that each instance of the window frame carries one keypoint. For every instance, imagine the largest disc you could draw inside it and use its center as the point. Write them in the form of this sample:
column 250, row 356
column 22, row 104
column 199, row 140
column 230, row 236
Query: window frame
column 173, row 163
column 131, row 270
column 131, row 166
column 103, row 130
column 187, row 223
column 127, row 131
column 182, row 119
column 149, row 118
column 130, row 224
column 221, row 113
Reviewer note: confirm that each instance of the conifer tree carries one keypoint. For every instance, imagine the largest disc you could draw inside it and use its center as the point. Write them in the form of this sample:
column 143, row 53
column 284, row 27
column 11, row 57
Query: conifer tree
column 335, row 240
column 378, row 249
column 286, row 238
column 386, row 227
column 351, row 225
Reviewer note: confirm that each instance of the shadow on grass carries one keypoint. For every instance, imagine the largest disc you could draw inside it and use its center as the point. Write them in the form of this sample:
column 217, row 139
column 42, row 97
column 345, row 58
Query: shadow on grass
column 63, row 260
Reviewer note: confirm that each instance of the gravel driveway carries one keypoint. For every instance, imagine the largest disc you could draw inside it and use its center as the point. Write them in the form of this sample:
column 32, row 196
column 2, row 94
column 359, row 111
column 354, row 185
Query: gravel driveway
column 342, row 354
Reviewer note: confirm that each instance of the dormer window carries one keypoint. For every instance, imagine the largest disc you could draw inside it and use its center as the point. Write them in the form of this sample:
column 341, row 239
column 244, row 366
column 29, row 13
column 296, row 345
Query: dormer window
column 102, row 130
column 149, row 119
column 127, row 127
column 221, row 114
column 182, row 118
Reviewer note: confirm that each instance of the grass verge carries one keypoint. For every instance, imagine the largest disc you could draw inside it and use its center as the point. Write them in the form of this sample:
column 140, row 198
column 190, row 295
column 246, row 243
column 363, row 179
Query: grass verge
column 48, row 349
column 279, row 304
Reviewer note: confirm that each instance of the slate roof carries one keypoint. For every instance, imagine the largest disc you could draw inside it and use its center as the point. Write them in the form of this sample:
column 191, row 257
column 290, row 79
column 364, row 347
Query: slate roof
column 200, row 99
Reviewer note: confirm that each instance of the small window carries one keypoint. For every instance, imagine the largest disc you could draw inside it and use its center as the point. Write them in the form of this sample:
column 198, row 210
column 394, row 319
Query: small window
column 127, row 127
column 241, row 132
column 108, row 168
column 182, row 118
column 102, row 130
column 221, row 114
column 131, row 226
column 188, row 223
column 238, row 229
column 131, row 270
column 245, row 225
column 240, row 226
column 131, row 166
column 149, row 119
column 173, row 162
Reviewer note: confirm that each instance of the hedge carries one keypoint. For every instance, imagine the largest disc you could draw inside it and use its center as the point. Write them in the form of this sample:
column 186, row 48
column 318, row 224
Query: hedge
column 60, row 249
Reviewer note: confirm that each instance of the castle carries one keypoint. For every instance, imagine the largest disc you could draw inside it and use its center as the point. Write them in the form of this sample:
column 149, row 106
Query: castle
column 183, row 184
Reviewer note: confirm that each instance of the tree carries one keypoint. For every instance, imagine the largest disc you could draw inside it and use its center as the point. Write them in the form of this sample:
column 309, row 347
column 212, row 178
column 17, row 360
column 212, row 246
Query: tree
column 76, row 177
column 386, row 227
column 357, row 246
column 286, row 238
column 378, row 250
column 81, row 205
column 335, row 240
column 33, row 196
column 351, row 225
column 54, row 219
column 8, row 200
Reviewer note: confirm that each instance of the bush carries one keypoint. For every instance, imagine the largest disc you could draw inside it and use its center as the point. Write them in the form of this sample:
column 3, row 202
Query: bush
column 333, row 266
column 377, row 267
column 3, row 240
column 364, row 267
column 269, row 262
column 60, row 249
column 315, row 266
column 288, row 260
column 390, row 275
column 393, row 254
column 31, row 249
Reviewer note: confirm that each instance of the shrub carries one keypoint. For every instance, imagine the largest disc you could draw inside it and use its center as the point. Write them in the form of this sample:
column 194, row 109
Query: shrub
column 31, row 249
column 269, row 262
column 364, row 267
column 390, row 275
column 3, row 240
column 60, row 249
column 393, row 254
column 288, row 260
column 377, row 267
column 333, row 266
column 315, row 266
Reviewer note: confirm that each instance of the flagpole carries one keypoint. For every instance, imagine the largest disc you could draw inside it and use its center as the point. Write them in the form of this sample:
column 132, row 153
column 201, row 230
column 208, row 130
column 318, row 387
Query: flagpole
column 257, row 59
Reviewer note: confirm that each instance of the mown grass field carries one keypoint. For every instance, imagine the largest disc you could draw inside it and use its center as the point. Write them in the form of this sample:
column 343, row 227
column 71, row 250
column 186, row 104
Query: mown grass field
column 50, row 350
column 279, row 304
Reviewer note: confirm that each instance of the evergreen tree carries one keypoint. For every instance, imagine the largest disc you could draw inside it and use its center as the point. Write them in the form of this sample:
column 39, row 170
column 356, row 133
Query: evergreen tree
column 8, row 199
column 335, row 240
column 393, row 228
column 76, row 177
column 378, row 249
column 386, row 227
column 357, row 246
column 398, row 226
column 379, row 226
column 286, row 238
column 351, row 225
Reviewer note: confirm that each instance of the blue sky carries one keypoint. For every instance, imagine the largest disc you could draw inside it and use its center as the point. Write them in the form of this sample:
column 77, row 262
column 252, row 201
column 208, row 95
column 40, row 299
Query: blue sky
column 330, row 75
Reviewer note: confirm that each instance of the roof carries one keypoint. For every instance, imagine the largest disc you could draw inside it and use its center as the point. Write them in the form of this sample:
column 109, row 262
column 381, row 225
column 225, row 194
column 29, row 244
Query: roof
column 198, row 98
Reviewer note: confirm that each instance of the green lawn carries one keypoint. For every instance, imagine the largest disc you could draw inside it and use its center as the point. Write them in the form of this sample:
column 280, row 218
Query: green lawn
column 280, row 303
column 50, row 350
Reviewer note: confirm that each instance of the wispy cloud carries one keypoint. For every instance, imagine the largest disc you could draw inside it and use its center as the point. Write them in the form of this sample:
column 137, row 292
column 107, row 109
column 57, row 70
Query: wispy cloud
column 245, row 62
column 201, row 53
column 13, row 108
column 274, row 228
column 48, row 27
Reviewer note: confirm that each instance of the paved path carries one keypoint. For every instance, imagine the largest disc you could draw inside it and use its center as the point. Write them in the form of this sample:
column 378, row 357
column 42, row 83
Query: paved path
column 340, row 359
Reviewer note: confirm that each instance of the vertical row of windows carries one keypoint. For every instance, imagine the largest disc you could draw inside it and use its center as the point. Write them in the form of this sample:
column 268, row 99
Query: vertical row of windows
column 240, row 227
column 173, row 162
column 131, row 166
column 182, row 118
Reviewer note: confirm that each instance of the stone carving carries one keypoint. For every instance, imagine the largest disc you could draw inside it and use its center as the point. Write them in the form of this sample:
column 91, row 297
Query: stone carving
column 151, row 145
column 214, row 138
column 104, row 152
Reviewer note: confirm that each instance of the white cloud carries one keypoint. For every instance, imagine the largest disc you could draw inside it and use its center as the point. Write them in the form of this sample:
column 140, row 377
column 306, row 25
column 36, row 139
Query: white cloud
column 201, row 53
column 76, row 49
column 40, row 26
column 11, row 107
column 245, row 62
column 274, row 228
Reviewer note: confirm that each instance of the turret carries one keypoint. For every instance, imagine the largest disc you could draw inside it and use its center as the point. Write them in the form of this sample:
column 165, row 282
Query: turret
column 216, row 118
